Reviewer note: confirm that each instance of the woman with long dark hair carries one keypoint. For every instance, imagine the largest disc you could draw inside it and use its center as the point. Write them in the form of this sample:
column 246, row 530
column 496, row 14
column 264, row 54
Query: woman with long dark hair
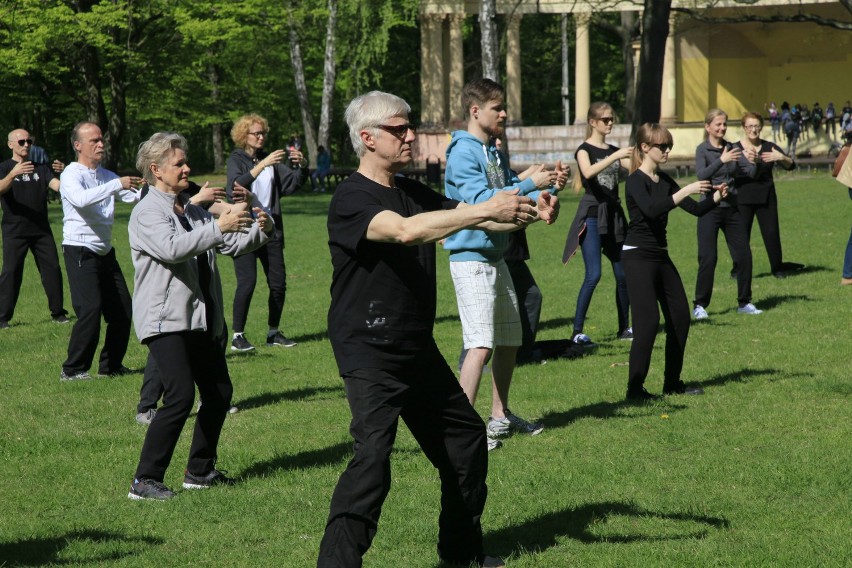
column 599, row 225
column 653, row 282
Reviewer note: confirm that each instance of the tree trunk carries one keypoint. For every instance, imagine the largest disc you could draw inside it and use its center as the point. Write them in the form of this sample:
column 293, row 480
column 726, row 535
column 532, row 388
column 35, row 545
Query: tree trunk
column 216, row 127
column 655, row 30
column 490, row 49
column 117, row 125
column 628, row 25
column 329, row 72
column 302, row 91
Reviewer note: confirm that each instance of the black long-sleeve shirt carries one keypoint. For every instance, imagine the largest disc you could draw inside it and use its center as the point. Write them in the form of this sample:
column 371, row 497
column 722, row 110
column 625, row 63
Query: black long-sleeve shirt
column 649, row 203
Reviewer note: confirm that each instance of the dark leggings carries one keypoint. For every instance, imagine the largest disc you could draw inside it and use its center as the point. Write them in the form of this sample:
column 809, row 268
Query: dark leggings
column 653, row 280
column 767, row 218
column 186, row 359
column 271, row 257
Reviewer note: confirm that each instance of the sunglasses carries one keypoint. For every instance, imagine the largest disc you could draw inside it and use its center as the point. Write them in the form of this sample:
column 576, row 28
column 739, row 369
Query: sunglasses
column 663, row 147
column 606, row 119
column 26, row 141
column 398, row 131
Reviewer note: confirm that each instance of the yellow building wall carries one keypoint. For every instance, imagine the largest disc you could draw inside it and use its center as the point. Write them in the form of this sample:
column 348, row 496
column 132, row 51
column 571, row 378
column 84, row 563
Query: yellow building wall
column 740, row 85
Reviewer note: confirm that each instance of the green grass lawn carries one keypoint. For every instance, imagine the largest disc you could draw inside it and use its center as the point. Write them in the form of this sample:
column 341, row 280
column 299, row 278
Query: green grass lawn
column 757, row 472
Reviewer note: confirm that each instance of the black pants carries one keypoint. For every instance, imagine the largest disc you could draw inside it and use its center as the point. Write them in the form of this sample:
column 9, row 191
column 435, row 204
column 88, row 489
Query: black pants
column 730, row 222
column 529, row 306
column 653, row 280
column 452, row 435
column 15, row 248
column 767, row 218
column 97, row 287
column 186, row 359
column 271, row 257
column 152, row 380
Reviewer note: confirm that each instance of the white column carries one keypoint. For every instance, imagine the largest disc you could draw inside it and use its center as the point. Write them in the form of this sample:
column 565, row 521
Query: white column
column 456, row 70
column 668, row 98
column 582, row 76
column 513, row 69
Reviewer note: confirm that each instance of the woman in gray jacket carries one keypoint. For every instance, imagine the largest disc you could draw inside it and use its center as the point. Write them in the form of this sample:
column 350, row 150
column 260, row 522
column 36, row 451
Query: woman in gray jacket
column 177, row 311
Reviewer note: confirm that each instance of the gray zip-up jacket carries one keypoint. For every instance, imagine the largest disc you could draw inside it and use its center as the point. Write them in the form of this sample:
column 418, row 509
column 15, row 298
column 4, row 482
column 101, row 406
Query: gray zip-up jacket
column 167, row 296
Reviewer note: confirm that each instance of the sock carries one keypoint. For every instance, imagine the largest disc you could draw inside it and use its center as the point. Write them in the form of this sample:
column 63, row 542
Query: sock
column 272, row 331
column 238, row 334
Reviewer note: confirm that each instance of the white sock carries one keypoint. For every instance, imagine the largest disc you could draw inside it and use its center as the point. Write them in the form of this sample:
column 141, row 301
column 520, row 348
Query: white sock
column 238, row 334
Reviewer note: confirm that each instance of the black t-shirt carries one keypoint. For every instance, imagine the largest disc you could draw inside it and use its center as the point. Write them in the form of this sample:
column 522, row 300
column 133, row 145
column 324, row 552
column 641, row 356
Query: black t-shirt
column 604, row 185
column 382, row 294
column 755, row 189
column 649, row 203
column 25, row 203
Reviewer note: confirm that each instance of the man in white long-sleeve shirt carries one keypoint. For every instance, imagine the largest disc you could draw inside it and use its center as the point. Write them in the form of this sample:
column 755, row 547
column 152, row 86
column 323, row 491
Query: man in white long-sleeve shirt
column 94, row 275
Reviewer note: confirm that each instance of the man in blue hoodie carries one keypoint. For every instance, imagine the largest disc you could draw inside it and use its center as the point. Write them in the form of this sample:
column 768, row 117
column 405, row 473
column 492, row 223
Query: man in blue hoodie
column 488, row 305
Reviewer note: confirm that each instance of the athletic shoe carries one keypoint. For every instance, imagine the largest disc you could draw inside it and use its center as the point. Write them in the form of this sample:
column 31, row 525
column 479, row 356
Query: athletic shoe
column 639, row 395
column 120, row 372
column 4, row 325
column 240, row 343
column 232, row 410
column 582, row 339
column 149, row 489
column 700, row 313
column 278, row 339
column 81, row 376
column 681, row 388
column 509, row 424
column 494, row 444
column 215, row 477
column 145, row 418
column 626, row 335
column 749, row 309
column 60, row 319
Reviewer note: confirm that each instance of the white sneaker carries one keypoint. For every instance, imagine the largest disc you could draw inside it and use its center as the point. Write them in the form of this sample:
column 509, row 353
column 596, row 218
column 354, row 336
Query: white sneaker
column 509, row 424
column 494, row 444
column 699, row 313
column 582, row 339
column 749, row 309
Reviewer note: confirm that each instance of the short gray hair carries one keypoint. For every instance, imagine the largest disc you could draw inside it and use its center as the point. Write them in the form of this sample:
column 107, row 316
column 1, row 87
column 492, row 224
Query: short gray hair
column 154, row 151
column 370, row 110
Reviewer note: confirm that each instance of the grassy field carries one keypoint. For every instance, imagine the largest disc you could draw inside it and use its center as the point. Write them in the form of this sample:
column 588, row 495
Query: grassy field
column 757, row 472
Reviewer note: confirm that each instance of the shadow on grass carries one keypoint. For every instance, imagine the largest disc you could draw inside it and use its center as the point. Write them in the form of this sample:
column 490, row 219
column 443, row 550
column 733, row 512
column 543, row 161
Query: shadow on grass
column 319, row 336
column 543, row 532
column 446, row 318
column 744, row 375
column 40, row 551
column 603, row 410
column 270, row 398
column 810, row 269
column 311, row 458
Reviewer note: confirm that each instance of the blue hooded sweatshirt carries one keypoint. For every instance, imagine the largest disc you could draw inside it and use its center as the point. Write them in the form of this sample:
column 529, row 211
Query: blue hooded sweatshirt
column 475, row 172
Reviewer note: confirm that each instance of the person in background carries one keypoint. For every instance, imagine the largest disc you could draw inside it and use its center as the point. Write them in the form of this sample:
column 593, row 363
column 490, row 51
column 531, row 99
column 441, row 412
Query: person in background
column 790, row 122
column 830, row 121
column 321, row 172
column 24, row 189
column 269, row 177
column 94, row 275
column 178, row 312
column 381, row 234
column 774, row 121
column 653, row 281
column 716, row 160
column 600, row 224
column 756, row 196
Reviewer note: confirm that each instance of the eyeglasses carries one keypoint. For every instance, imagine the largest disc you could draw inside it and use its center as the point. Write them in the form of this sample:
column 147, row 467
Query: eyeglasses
column 399, row 130
column 663, row 147
column 755, row 127
column 25, row 141
column 606, row 119
column 258, row 134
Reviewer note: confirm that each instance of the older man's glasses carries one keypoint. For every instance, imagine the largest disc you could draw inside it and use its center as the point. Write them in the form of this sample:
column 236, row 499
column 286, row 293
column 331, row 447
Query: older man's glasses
column 25, row 142
column 399, row 130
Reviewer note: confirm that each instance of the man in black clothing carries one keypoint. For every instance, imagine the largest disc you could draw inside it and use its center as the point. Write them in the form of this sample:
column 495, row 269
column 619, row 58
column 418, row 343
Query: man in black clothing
column 23, row 193
column 382, row 229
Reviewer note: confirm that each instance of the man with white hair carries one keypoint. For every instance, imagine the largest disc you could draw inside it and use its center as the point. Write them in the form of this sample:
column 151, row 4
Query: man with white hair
column 24, row 189
column 94, row 275
column 382, row 228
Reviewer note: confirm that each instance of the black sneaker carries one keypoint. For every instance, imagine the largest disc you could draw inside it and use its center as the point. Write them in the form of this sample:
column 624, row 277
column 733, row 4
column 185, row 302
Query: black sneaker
column 240, row 343
column 215, row 477
column 681, row 388
column 640, row 395
column 120, row 372
column 60, row 319
column 626, row 335
column 278, row 339
column 149, row 489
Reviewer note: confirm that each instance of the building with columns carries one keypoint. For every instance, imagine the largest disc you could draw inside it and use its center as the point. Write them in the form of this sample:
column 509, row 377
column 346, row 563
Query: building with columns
column 728, row 64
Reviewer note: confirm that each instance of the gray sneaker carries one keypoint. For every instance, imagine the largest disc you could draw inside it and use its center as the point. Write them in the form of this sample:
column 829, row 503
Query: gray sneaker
column 749, row 309
column 278, row 339
column 149, row 489
column 145, row 418
column 81, row 376
column 510, row 424
column 240, row 343
column 494, row 444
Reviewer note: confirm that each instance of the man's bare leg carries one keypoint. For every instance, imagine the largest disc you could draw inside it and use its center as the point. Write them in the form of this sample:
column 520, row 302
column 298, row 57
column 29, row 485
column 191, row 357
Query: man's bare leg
column 471, row 371
column 502, row 367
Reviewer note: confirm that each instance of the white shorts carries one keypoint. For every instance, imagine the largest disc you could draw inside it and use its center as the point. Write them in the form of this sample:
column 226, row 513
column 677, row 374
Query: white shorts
column 488, row 305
